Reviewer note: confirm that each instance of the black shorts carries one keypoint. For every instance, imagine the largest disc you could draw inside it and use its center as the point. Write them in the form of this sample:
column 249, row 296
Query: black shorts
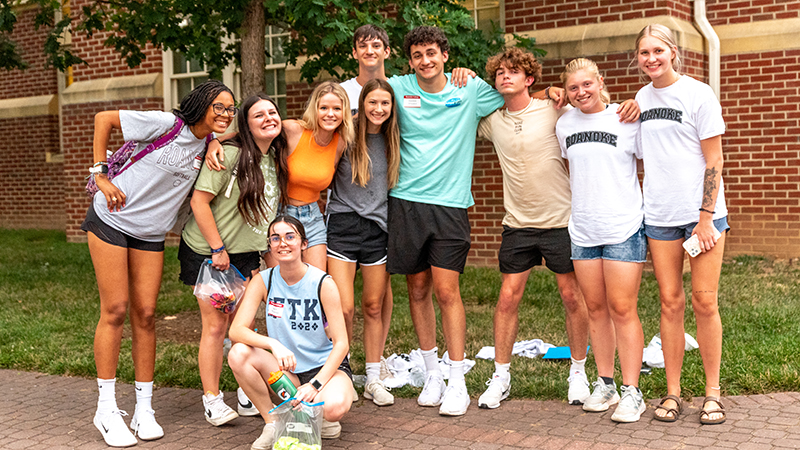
column 523, row 248
column 93, row 224
column 352, row 238
column 306, row 376
column 423, row 235
column 191, row 262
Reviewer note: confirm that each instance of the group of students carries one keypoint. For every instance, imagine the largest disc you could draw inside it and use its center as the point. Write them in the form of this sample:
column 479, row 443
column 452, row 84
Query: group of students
column 400, row 177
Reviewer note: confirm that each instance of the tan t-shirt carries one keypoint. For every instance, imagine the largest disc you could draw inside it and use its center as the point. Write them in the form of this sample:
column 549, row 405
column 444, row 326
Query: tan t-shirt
column 536, row 190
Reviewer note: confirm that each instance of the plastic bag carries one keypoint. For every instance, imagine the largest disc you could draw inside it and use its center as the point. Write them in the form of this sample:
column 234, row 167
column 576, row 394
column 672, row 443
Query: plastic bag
column 298, row 429
column 222, row 289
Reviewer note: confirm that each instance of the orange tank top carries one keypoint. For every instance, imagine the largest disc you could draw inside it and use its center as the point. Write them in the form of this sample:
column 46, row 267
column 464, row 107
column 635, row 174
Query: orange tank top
column 311, row 167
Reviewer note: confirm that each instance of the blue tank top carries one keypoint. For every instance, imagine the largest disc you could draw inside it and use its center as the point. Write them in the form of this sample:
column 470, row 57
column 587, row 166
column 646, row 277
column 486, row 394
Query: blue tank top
column 295, row 317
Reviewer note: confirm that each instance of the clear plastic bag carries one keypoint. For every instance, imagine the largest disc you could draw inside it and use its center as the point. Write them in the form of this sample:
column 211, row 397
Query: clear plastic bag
column 298, row 429
column 222, row 289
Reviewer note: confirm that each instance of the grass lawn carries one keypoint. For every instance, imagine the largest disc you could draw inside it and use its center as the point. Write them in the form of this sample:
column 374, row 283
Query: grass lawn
column 50, row 309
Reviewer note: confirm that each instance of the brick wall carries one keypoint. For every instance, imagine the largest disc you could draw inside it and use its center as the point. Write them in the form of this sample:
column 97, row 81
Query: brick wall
column 36, row 80
column 724, row 12
column 31, row 189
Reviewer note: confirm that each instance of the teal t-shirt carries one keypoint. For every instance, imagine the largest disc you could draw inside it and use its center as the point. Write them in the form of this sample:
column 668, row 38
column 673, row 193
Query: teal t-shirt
column 437, row 139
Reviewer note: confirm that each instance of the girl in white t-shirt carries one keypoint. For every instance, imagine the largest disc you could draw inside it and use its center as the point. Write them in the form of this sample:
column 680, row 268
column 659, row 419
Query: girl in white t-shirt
column 682, row 129
column 608, row 243
column 126, row 225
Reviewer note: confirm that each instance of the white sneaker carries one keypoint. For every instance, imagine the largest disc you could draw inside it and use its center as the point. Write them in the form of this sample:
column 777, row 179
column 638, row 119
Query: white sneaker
column 602, row 398
column 145, row 426
column 630, row 407
column 498, row 390
column 578, row 388
column 355, row 393
column 113, row 428
column 455, row 400
column 245, row 406
column 385, row 372
column 378, row 393
column 330, row 430
column 432, row 390
column 217, row 412
column 267, row 438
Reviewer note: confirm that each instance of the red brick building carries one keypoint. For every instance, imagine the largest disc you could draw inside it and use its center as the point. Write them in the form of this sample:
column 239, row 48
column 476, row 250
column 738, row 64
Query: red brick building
column 50, row 114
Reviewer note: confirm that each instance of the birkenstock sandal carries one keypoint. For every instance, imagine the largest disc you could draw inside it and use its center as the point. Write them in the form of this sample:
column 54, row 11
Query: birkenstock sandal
column 673, row 411
column 704, row 414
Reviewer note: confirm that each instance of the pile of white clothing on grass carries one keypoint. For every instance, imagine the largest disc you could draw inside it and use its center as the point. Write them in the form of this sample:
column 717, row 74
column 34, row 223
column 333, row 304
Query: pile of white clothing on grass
column 410, row 368
column 527, row 349
column 653, row 356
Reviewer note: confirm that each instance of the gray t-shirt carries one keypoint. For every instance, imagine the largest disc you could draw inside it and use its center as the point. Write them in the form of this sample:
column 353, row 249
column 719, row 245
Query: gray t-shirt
column 371, row 201
column 156, row 185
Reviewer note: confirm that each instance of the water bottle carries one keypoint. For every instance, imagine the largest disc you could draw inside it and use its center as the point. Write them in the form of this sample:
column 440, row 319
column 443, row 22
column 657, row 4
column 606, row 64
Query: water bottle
column 281, row 385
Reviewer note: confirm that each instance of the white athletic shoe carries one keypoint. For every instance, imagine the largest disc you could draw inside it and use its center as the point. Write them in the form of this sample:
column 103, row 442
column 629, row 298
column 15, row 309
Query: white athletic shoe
column 378, row 393
column 455, row 400
column 385, row 372
column 602, row 398
column 245, row 406
column 330, row 430
column 145, row 426
column 578, row 388
column 498, row 390
column 113, row 428
column 355, row 393
column 631, row 405
column 432, row 390
column 267, row 438
column 217, row 412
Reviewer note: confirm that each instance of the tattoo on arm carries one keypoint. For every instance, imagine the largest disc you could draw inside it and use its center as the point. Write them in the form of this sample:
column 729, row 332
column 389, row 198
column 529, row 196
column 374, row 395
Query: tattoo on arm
column 709, row 187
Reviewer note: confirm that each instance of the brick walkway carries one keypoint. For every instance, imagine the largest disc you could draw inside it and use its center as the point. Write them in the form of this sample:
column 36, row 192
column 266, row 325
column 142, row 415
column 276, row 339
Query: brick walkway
column 42, row 411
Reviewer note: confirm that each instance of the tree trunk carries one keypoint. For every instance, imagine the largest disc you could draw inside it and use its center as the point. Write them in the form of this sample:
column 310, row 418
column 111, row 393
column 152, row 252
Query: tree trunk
column 253, row 48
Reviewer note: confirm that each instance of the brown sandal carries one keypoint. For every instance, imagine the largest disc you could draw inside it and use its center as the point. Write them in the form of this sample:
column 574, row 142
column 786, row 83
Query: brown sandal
column 667, row 411
column 704, row 414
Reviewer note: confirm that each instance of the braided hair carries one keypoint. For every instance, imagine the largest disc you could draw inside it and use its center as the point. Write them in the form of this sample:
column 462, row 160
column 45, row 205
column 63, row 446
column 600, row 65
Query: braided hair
column 194, row 106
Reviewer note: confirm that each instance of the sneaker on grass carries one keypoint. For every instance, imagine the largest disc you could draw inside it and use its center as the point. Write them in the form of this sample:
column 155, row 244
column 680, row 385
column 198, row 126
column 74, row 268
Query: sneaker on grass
column 498, row 390
column 631, row 405
column 432, row 390
column 217, row 412
column 145, row 426
column 578, row 388
column 113, row 428
column 245, row 406
column 378, row 393
column 602, row 398
column 455, row 400
column 267, row 438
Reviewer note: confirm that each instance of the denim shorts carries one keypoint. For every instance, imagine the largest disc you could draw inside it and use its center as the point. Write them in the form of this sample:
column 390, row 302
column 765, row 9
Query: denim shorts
column 683, row 231
column 634, row 250
column 311, row 218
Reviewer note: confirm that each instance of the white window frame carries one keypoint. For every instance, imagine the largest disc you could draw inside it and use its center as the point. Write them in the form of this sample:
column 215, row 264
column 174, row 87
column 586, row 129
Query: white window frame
column 472, row 6
column 170, row 80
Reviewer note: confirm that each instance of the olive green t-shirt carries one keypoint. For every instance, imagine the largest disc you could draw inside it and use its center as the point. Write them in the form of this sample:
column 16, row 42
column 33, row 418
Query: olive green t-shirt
column 237, row 235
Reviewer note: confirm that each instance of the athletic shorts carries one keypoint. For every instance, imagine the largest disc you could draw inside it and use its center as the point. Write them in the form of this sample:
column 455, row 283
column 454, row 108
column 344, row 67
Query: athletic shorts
column 311, row 218
column 93, row 224
column 306, row 376
column 683, row 231
column 633, row 249
column 423, row 235
column 523, row 248
column 191, row 262
column 352, row 238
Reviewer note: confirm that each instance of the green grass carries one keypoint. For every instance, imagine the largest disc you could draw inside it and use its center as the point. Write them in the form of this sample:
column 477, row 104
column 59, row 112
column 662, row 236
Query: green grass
column 50, row 308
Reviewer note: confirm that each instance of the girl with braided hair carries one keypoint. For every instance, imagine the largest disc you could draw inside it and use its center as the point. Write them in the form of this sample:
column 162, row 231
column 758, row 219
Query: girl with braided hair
column 126, row 228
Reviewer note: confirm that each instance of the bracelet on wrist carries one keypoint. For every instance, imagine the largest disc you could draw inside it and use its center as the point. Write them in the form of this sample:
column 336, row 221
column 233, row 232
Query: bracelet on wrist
column 98, row 168
column 547, row 93
column 705, row 210
column 214, row 251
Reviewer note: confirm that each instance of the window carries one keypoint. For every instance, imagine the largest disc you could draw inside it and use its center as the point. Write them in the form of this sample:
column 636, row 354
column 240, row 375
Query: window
column 185, row 76
column 484, row 12
column 275, row 72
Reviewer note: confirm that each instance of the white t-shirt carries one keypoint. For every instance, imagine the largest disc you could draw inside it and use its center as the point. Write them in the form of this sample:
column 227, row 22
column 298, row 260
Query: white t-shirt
column 606, row 197
column 674, row 121
column 353, row 90
column 156, row 185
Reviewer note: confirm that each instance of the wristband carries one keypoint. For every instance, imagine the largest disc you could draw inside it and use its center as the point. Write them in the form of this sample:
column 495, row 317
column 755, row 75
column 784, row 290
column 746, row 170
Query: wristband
column 214, row 251
column 705, row 210
column 101, row 168
column 547, row 92
column 315, row 384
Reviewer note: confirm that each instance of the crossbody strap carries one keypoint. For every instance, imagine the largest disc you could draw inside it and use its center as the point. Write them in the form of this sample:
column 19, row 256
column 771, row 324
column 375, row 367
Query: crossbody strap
column 163, row 140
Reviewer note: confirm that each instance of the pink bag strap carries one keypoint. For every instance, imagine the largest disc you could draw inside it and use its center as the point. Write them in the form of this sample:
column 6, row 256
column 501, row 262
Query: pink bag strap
column 165, row 139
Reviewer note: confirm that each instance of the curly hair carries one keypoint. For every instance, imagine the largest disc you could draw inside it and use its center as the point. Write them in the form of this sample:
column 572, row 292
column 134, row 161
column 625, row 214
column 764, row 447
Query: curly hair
column 425, row 35
column 515, row 58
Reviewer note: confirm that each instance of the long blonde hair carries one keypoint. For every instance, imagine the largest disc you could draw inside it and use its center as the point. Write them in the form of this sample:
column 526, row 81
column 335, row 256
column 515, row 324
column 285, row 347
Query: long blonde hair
column 588, row 65
column 359, row 154
column 310, row 119
column 664, row 35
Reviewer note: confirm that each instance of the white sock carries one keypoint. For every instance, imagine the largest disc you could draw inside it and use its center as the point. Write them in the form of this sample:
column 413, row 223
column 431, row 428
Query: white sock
column 144, row 395
column 578, row 365
column 431, row 358
column 456, row 372
column 502, row 369
column 107, row 400
column 373, row 371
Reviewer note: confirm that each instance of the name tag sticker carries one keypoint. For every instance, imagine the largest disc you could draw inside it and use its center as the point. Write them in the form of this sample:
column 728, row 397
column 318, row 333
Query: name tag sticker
column 412, row 101
column 197, row 164
column 275, row 310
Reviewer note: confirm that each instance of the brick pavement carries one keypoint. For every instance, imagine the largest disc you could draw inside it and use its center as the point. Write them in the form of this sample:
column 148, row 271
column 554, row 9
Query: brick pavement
column 42, row 411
